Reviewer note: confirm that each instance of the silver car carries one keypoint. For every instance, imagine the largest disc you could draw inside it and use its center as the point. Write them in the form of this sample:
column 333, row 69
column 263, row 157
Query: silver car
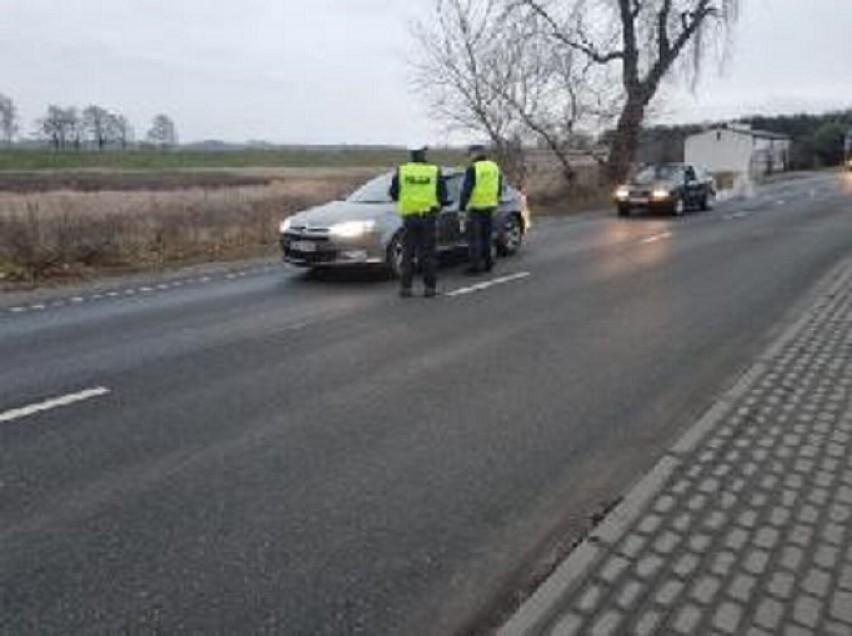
column 365, row 229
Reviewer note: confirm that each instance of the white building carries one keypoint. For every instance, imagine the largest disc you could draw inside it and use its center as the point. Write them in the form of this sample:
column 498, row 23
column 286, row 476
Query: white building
column 738, row 149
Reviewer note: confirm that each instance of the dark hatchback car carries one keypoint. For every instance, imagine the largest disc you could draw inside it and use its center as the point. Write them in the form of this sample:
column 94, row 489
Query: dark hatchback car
column 670, row 188
column 365, row 229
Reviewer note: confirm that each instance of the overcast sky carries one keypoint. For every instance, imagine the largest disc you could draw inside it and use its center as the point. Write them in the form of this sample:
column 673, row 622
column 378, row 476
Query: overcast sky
column 335, row 71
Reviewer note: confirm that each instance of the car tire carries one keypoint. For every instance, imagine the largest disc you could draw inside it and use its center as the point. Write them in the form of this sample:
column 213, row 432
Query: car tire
column 393, row 258
column 623, row 211
column 511, row 236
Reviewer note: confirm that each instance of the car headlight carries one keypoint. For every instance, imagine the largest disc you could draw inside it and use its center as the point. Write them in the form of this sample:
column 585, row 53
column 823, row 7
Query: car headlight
column 660, row 194
column 285, row 225
column 622, row 192
column 352, row 229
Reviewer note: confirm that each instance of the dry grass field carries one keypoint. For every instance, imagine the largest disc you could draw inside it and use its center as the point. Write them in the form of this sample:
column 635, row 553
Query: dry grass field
column 117, row 225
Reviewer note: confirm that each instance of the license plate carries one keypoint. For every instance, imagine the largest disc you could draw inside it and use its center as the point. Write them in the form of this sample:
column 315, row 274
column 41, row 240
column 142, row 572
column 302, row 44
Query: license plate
column 303, row 246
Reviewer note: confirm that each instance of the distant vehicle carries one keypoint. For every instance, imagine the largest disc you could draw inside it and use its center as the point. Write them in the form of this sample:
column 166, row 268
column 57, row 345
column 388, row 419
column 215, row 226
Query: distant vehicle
column 366, row 229
column 670, row 188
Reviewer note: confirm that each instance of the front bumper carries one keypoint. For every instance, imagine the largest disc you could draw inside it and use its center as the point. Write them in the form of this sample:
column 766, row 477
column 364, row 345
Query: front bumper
column 644, row 203
column 329, row 251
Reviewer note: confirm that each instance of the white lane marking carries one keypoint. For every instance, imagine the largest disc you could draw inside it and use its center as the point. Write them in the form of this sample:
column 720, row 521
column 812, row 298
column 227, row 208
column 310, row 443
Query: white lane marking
column 735, row 216
column 488, row 283
column 656, row 237
column 151, row 287
column 780, row 202
column 52, row 403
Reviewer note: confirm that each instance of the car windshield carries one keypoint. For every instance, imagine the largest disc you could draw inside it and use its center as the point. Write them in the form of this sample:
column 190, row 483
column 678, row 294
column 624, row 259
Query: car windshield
column 454, row 186
column 664, row 172
column 374, row 191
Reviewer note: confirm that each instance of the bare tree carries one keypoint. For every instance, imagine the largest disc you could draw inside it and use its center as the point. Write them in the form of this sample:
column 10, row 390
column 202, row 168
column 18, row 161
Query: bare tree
column 76, row 126
column 122, row 131
column 97, row 123
column 163, row 132
column 458, row 71
column 8, row 119
column 61, row 127
column 643, row 40
column 492, row 70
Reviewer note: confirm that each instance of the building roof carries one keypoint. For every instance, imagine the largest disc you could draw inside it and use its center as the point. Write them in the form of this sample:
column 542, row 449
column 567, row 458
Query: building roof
column 746, row 130
column 755, row 132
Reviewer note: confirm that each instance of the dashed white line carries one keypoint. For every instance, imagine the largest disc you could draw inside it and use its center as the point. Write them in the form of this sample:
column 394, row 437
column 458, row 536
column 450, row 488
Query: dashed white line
column 52, row 403
column 116, row 293
column 487, row 284
column 656, row 237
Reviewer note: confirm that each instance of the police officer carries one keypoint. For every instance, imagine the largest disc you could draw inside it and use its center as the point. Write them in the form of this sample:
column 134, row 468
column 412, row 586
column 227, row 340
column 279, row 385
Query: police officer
column 419, row 189
column 480, row 196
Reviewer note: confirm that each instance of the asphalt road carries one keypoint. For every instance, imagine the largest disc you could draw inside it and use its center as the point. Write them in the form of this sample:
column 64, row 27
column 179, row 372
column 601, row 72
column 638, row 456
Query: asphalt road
column 274, row 452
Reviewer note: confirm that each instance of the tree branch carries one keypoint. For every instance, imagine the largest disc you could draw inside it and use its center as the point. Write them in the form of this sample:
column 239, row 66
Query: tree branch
column 583, row 45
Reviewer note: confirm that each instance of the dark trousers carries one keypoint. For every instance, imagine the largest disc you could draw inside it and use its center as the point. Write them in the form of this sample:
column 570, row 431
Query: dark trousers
column 418, row 241
column 480, row 224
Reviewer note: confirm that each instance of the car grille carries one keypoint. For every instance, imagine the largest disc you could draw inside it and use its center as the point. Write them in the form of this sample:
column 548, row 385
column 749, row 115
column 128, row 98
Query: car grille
column 304, row 233
column 321, row 252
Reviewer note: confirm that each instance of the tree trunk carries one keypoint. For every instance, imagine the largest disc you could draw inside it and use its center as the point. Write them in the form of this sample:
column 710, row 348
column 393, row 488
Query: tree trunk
column 625, row 142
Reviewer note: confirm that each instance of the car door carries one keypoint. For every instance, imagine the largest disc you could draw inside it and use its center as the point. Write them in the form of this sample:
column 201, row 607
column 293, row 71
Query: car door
column 450, row 230
column 692, row 187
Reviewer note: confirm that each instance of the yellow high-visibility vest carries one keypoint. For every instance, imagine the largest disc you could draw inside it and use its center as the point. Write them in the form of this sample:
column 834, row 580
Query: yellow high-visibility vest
column 486, row 191
column 418, row 188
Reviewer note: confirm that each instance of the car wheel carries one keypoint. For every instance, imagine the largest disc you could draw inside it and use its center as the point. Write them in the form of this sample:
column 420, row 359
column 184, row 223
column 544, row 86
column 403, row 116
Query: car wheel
column 679, row 206
column 394, row 255
column 623, row 210
column 510, row 239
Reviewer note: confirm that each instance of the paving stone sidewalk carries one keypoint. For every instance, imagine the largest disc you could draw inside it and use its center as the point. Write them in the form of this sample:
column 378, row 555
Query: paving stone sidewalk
column 745, row 525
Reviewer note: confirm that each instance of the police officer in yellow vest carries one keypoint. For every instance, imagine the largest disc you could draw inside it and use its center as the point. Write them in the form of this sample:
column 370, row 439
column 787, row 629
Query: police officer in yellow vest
column 480, row 196
column 420, row 192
